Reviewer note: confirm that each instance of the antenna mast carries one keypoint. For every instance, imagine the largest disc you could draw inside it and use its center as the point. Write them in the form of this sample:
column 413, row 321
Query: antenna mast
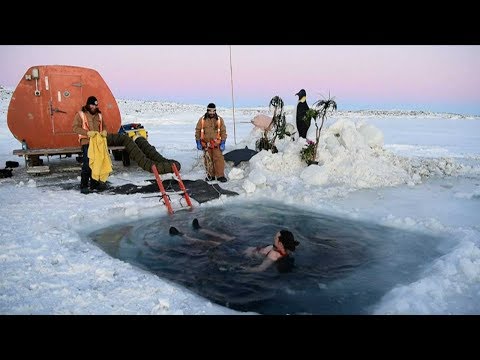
column 233, row 102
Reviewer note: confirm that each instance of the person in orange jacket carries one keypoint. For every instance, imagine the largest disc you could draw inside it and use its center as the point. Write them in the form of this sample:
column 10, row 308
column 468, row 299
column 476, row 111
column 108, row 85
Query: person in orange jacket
column 210, row 135
column 86, row 123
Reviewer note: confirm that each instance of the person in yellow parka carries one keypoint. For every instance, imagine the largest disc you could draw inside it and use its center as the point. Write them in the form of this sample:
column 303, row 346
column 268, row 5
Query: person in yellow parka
column 87, row 123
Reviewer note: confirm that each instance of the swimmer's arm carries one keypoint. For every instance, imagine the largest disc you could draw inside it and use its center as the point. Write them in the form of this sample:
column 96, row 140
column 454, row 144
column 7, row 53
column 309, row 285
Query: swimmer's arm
column 262, row 267
column 224, row 237
column 257, row 251
column 195, row 240
column 265, row 250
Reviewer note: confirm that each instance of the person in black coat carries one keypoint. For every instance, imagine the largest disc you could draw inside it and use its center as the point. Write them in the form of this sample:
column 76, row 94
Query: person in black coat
column 302, row 108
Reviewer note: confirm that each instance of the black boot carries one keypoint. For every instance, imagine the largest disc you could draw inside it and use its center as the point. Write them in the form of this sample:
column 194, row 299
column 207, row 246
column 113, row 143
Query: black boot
column 174, row 231
column 101, row 186
column 94, row 184
column 195, row 224
column 84, row 184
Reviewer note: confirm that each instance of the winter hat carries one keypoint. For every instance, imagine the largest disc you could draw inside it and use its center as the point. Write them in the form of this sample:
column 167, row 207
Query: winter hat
column 92, row 100
column 301, row 93
column 211, row 106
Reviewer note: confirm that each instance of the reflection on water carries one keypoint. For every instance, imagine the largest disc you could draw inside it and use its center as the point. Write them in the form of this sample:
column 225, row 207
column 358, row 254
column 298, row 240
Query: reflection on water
column 341, row 266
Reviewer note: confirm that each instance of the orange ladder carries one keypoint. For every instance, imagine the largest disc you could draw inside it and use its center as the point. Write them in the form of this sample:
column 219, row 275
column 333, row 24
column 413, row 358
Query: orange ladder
column 166, row 198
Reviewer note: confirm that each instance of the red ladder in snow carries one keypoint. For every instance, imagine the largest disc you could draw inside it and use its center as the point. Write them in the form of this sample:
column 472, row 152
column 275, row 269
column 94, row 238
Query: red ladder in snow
column 182, row 186
column 166, row 198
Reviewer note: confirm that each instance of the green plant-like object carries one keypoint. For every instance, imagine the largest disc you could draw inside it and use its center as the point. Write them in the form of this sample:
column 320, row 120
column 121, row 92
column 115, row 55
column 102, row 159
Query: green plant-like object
column 319, row 110
column 308, row 152
column 278, row 119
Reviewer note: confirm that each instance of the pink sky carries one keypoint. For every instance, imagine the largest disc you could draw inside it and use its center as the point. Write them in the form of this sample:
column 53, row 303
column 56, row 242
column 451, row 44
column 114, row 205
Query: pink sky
column 431, row 78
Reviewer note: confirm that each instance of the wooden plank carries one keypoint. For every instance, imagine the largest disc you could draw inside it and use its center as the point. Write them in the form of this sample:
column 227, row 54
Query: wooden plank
column 70, row 169
column 38, row 169
column 48, row 152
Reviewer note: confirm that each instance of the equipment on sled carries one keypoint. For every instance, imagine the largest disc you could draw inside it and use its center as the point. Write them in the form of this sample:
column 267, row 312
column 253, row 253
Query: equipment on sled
column 133, row 130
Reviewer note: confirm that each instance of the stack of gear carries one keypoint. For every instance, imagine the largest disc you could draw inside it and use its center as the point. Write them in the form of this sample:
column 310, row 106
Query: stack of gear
column 7, row 172
column 133, row 130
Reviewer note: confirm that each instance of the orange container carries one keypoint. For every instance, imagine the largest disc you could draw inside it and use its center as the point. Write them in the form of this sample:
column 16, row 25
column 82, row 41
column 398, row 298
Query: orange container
column 46, row 99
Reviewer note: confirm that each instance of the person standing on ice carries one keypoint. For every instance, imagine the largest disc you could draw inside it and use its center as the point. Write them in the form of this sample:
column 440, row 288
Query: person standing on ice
column 210, row 135
column 87, row 123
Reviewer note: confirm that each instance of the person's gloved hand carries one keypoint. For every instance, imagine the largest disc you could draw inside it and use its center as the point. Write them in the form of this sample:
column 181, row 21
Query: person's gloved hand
column 91, row 133
column 199, row 145
column 104, row 133
column 222, row 145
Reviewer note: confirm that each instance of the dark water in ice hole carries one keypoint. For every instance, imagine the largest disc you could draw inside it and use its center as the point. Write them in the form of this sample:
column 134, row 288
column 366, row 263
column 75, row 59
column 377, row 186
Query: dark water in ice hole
column 341, row 266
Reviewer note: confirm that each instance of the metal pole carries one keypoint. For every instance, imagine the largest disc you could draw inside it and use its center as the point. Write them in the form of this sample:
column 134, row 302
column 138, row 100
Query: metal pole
column 233, row 101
